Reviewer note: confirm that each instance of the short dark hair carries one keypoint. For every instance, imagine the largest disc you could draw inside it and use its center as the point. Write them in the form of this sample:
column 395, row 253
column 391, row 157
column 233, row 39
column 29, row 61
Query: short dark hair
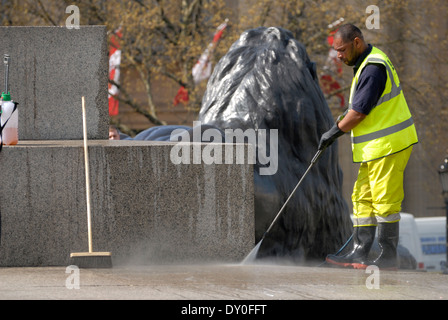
column 348, row 32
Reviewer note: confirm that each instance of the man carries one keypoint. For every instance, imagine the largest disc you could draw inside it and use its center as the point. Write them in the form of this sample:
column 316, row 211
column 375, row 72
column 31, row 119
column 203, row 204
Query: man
column 113, row 133
column 382, row 134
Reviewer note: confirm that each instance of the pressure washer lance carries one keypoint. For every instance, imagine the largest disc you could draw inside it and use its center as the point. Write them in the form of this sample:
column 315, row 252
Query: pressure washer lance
column 9, row 115
column 253, row 254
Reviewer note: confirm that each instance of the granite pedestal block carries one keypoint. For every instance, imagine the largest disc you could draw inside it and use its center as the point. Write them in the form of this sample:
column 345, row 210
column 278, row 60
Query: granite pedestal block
column 146, row 210
column 50, row 69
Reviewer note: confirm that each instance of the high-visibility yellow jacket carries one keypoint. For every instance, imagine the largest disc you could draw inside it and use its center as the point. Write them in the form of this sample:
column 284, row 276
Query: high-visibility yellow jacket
column 389, row 127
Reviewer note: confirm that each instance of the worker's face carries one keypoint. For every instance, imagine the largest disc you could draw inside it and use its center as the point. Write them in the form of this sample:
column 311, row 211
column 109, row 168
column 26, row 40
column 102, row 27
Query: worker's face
column 347, row 51
column 113, row 135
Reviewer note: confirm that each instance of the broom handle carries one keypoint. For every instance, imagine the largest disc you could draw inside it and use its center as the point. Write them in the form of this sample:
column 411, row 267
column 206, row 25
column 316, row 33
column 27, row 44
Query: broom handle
column 86, row 165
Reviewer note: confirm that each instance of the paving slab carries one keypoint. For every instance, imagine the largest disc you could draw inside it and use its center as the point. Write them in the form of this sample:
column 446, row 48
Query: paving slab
column 219, row 282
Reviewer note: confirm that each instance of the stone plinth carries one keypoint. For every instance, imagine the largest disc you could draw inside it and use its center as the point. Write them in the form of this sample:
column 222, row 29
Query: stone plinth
column 50, row 69
column 145, row 208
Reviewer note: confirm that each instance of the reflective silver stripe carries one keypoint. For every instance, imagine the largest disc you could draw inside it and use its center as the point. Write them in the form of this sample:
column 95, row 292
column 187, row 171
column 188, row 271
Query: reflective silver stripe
column 370, row 221
column 373, row 221
column 395, row 91
column 390, row 218
column 384, row 132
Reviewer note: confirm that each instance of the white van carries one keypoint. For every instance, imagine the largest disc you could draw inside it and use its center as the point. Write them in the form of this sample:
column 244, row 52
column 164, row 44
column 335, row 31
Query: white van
column 410, row 239
column 432, row 233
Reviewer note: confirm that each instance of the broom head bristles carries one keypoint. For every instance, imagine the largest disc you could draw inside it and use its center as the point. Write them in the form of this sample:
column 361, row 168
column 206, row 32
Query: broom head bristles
column 91, row 259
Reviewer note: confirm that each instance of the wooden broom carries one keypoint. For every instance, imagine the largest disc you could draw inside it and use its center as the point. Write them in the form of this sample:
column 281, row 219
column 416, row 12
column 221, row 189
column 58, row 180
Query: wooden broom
column 89, row 259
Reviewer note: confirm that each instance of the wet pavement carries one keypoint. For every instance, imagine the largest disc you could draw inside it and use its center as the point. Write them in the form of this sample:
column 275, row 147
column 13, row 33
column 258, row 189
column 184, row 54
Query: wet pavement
column 260, row 282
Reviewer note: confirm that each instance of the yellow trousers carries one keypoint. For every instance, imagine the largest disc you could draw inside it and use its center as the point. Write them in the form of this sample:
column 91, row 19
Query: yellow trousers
column 378, row 191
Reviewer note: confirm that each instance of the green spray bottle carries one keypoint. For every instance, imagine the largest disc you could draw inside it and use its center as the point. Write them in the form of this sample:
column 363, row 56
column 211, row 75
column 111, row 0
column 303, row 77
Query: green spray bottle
column 9, row 114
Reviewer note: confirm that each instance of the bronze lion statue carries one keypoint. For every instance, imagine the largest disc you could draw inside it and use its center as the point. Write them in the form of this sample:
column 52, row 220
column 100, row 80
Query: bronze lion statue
column 267, row 81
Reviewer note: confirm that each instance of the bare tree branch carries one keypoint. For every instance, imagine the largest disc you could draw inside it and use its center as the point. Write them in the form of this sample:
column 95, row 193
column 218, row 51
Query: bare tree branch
column 45, row 14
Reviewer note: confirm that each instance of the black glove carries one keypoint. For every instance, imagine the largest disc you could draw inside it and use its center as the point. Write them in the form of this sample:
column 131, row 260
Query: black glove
column 330, row 136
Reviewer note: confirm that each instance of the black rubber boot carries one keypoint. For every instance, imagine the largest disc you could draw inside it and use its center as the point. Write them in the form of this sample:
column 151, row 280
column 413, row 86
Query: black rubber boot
column 363, row 239
column 388, row 234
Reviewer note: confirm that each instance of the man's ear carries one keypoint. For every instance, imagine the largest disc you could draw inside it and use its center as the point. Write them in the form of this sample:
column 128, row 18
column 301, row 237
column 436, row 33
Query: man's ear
column 357, row 42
